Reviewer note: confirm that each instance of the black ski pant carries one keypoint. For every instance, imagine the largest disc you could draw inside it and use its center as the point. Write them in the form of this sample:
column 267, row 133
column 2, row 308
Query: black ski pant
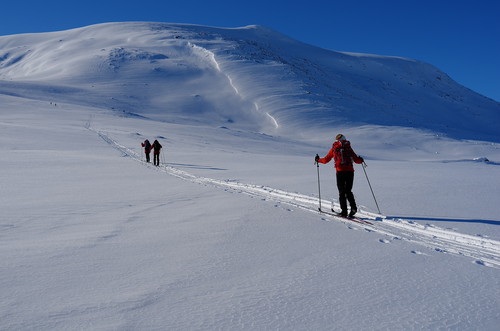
column 156, row 159
column 345, row 180
column 147, row 156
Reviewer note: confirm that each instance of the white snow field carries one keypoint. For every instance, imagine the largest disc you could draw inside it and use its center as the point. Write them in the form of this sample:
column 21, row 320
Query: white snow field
column 225, row 234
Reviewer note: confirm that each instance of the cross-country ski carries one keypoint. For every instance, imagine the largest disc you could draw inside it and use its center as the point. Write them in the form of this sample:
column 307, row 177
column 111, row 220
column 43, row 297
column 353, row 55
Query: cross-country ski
column 349, row 218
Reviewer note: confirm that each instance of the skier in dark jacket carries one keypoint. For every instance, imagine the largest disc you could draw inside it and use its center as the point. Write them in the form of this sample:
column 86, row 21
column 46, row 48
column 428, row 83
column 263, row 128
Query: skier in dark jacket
column 343, row 156
column 147, row 148
column 156, row 152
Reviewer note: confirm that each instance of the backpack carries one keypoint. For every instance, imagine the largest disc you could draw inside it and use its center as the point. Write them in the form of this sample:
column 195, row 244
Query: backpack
column 342, row 152
column 156, row 145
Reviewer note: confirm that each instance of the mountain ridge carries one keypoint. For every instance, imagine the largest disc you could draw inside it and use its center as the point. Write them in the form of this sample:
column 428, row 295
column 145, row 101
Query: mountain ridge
column 250, row 77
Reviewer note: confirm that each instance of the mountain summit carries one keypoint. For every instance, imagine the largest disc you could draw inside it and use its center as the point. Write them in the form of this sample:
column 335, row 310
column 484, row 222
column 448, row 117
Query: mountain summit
column 250, row 77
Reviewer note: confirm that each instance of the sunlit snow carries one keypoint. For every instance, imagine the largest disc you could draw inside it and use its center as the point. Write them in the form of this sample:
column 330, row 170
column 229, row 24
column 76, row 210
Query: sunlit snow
column 225, row 233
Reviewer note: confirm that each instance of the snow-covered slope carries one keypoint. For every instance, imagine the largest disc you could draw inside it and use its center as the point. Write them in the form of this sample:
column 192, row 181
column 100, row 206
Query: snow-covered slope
column 225, row 233
column 249, row 76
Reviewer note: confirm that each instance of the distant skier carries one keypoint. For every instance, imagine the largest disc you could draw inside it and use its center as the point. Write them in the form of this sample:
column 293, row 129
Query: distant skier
column 343, row 156
column 156, row 152
column 147, row 148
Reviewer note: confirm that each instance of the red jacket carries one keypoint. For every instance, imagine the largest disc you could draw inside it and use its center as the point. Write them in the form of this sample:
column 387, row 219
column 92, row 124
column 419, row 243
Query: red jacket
column 343, row 156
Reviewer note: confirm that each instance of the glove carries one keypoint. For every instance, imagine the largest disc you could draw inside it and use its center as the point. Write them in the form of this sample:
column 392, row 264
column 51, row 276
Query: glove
column 316, row 158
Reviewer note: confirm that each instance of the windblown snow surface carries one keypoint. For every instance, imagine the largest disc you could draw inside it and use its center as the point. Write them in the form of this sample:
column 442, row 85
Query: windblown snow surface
column 225, row 233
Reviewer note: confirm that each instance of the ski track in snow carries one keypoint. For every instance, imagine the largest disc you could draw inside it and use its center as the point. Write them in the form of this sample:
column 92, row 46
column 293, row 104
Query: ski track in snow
column 482, row 251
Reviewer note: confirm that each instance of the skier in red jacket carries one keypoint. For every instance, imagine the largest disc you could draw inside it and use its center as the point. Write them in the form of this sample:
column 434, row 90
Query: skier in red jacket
column 343, row 156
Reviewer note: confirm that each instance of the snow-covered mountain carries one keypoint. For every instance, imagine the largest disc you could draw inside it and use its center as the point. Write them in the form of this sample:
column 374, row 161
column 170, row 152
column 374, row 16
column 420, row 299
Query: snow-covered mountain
column 225, row 234
column 247, row 77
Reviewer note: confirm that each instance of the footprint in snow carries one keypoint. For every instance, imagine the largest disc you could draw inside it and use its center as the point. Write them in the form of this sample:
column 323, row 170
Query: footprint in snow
column 418, row 253
column 384, row 241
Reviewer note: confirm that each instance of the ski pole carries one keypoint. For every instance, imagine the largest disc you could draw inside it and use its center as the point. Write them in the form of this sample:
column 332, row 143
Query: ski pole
column 319, row 187
column 369, row 184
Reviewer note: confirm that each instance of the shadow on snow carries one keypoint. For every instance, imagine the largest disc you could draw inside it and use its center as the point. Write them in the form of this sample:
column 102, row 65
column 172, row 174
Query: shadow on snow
column 458, row 220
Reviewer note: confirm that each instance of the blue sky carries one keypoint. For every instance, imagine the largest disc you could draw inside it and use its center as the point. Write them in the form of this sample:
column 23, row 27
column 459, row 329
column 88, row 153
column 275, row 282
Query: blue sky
column 462, row 38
